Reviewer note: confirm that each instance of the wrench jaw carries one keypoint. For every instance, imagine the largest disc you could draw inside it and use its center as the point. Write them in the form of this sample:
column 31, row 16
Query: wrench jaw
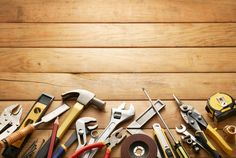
column 84, row 127
column 88, row 122
column 120, row 114
column 188, row 138
column 182, row 129
column 17, row 115
column 10, row 120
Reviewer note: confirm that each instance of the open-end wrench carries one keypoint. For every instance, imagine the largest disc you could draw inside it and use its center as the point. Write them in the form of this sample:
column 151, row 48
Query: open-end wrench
column 186, row 134
column 118, row 115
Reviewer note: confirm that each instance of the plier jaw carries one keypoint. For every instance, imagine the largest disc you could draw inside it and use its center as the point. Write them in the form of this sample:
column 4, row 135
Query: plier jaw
column 191, row 116
column 10, row 120
column 115, row 138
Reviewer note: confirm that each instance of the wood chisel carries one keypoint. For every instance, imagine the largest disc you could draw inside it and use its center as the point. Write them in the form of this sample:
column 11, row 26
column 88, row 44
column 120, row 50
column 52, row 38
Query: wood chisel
column 31, row 127
column 179, row 149
column 36, row 112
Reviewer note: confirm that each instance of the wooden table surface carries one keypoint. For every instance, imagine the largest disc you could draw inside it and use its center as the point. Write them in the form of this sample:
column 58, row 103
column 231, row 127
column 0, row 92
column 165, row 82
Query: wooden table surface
column 114, row 48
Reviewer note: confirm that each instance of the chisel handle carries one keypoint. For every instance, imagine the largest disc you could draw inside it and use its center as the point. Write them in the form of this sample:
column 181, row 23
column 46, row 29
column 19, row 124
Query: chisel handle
column 201, row 137
column 17, row 136
column 180, row 150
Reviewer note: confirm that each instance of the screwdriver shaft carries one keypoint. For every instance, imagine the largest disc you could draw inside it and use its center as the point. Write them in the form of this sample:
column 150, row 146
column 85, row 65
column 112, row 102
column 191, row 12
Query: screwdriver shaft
column 150, row 100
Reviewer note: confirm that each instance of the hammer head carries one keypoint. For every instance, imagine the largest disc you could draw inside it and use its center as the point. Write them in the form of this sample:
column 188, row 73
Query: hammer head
column 84, row 97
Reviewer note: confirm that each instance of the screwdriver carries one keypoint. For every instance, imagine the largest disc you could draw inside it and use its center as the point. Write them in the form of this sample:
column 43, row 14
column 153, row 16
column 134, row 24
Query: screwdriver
column 180, row 150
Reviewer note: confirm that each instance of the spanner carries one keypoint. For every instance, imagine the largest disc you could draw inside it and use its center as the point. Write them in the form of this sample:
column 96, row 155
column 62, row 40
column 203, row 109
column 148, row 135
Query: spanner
column 118, row 115
column 191, row 139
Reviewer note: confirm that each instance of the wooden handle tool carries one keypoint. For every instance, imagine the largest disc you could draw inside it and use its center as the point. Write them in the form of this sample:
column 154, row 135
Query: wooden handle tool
column 31, row 127
column 17, row 135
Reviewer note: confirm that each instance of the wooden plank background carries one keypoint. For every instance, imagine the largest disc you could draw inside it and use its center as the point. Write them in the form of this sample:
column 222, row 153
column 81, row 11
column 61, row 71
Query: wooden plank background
column 114, row 48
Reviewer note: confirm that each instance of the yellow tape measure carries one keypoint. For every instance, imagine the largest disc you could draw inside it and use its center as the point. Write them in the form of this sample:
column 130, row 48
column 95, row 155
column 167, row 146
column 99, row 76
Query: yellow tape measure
column 220, row 106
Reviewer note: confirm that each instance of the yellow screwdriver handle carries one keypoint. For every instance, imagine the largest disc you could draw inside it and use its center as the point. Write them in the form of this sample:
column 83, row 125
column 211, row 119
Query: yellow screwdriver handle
column 181, row 151
column 219, row 140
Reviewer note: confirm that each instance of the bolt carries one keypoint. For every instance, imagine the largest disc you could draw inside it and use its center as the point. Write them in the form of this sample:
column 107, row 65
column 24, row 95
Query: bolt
column 185, row 107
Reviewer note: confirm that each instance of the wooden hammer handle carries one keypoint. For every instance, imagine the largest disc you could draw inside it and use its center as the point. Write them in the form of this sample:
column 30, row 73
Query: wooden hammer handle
column 17, row 135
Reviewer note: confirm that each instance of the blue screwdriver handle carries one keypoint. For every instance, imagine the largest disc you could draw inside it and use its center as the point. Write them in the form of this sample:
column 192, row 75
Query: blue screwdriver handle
column 59, row 152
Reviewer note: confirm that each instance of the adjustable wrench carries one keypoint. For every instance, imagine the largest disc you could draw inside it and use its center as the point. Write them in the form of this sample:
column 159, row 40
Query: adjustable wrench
column 83, row 128
column 118, row 115
column 191, row 140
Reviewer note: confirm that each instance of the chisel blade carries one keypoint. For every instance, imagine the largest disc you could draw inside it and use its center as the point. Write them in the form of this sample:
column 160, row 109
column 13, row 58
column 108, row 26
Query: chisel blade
column 50, row 116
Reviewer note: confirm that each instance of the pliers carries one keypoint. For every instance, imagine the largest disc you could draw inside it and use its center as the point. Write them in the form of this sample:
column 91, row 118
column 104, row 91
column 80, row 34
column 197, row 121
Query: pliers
column 115, row 138
column 10, row 120
column 193, row 118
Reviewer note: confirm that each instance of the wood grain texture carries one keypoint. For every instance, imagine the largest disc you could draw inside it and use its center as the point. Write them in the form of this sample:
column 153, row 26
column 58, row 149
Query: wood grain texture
column 170, row 113
column 43, row 134
column 118, row 11
column 117, row 86
column 117, row 35
column 115, row 48
column 77, row 60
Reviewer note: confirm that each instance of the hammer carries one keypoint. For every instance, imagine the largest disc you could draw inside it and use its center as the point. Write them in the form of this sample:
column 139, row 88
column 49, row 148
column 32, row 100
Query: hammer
column 84, row 98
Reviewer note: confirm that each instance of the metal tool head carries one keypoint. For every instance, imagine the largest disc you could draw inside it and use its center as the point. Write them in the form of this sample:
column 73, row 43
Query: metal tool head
column 183, row 107
column 11, row 114
column 84, row 97
column 13, row 109
column 120, row 114
column 10, row 120
column 84, row 127
column 182, row 129
column 116, row 137
column 86, row 122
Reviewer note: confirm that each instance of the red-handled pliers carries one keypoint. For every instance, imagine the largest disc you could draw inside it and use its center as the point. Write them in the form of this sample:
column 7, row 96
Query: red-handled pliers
column 115, row 138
